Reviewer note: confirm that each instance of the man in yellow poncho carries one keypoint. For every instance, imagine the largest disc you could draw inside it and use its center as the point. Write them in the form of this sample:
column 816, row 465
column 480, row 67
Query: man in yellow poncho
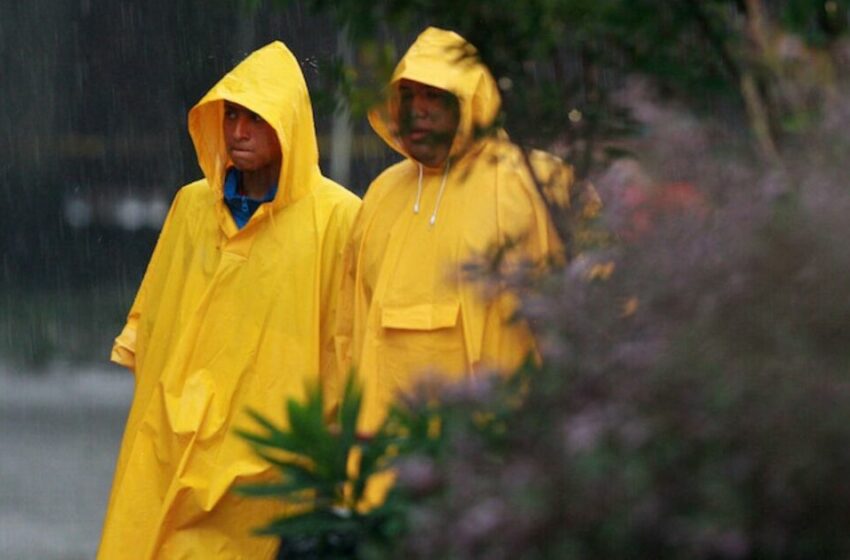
column 236, row 310
column 462, row 190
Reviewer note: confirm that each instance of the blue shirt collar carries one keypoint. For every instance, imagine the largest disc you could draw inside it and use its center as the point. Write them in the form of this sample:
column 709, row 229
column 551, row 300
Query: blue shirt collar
column 231, row 187
column 242, row 207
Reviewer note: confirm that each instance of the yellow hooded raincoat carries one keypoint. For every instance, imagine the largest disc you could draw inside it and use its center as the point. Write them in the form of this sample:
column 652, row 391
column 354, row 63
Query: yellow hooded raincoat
column 406, row 306
column 226, row 319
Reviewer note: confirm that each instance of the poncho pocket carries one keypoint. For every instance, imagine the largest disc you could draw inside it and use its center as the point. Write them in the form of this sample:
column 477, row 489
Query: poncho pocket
column 421, row 317
column 419, row 338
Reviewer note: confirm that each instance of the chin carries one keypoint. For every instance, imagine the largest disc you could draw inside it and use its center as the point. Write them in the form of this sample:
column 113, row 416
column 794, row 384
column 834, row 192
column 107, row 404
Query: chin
column 422, row 157
column 242, row 165
column 431, row 161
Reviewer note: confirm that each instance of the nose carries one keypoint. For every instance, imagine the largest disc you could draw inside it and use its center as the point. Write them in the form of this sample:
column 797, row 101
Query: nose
column 241, row 128
column 419, row 106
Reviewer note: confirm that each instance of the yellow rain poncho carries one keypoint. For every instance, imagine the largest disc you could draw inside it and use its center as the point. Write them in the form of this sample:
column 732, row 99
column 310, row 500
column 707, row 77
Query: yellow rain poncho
column 406, row 304
column 226, row 319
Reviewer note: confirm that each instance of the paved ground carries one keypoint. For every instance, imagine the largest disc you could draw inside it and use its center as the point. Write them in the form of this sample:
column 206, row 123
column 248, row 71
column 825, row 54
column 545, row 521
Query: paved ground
column 59, row 436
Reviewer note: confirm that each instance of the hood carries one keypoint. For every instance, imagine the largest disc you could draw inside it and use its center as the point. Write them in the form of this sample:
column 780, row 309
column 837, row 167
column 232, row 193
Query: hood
column 269, row 82
column 445, row 60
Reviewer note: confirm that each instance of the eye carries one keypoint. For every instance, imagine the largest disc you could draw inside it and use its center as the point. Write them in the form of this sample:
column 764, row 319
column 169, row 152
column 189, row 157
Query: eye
column 256, row 118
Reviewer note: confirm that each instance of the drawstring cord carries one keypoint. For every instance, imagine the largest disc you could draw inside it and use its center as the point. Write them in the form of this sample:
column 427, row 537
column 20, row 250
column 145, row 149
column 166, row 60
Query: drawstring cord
column 433, row 219
column 418, row 192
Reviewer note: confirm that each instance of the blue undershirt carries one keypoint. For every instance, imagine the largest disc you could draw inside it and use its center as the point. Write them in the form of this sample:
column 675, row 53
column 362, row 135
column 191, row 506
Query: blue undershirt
column 242, row 207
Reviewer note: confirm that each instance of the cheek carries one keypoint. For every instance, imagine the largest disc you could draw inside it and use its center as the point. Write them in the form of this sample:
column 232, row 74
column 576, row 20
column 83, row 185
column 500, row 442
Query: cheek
column 404, row 118
column 268, row 139
column 271, row 146
column 447, row 122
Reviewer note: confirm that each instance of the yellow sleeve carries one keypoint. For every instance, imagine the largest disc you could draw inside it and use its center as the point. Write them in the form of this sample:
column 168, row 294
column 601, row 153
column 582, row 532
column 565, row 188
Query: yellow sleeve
column 124, row 346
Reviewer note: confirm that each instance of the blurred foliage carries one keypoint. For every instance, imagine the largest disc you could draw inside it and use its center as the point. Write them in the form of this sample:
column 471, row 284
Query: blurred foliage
column 694, row 401
column 820, row 21
column 558, row 61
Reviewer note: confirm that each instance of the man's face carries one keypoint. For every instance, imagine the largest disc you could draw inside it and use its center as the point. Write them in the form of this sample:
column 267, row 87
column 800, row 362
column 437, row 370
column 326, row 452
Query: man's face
column 251, row 142
column 428, row 119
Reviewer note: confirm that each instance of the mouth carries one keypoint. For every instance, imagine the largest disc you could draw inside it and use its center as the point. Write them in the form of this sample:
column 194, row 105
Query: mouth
column 239, row 152
column 418, row 134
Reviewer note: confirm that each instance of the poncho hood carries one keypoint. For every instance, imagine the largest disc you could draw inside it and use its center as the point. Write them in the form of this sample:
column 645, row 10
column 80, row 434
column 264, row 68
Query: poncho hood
column 445, row 60
column 270, row 83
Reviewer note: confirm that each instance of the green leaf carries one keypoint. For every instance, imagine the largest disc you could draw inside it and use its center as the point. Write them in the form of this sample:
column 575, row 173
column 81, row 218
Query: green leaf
column 287, row 491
